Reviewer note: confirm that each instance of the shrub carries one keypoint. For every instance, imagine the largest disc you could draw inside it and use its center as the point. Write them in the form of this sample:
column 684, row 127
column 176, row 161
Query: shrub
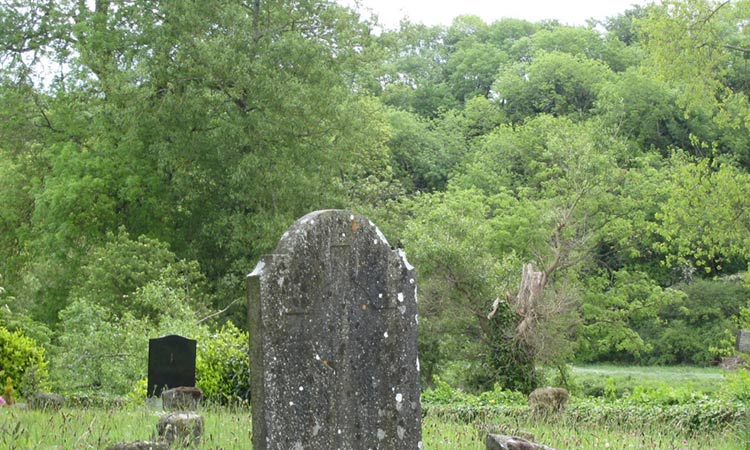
column 223, row 365
column 22, row 360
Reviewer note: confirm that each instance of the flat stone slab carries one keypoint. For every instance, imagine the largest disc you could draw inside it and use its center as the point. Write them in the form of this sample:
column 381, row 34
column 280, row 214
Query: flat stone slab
column 502, row 442
column 333, row 325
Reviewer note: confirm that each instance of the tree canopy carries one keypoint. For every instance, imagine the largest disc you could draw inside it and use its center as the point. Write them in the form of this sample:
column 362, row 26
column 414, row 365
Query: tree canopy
column 152, row 151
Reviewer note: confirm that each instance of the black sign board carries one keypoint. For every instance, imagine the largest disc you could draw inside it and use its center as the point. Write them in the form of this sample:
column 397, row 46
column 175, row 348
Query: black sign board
column 171, row 363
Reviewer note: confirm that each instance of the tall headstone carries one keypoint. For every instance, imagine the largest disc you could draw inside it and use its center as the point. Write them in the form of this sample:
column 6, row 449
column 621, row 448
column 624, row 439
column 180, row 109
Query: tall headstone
column 743, row 341
column 171, row 363
column 333, row 319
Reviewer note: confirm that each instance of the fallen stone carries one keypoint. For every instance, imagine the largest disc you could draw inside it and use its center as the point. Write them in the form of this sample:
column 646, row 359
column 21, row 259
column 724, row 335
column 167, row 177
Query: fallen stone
column 182, row 398
column 183, row 428
column 43, row 400
column 501, row 442
column 139, row 445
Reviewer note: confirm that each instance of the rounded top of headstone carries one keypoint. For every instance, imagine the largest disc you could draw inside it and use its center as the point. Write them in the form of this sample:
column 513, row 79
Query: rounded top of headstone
column 335, row 222
column 331, row 227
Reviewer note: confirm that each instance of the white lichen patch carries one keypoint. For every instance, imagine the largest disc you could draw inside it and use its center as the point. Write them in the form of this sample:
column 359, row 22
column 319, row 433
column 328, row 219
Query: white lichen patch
column 258, row 269
column 380, row 234
column 402, row 254
column 385, row 335
column 402, row 309
column 400, row 431
column 400, row 296
column 381, row 434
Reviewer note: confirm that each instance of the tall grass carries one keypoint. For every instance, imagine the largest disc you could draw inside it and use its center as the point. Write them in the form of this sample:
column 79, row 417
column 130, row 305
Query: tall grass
column 231, row 428
column 657, row 408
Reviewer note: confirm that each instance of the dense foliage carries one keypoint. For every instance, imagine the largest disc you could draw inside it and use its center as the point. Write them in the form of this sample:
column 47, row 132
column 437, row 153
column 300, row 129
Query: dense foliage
column 151, row 151
column 23, row 364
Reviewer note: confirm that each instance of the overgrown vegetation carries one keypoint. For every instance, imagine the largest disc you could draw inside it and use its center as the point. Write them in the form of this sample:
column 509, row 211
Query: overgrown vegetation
column 566, row 193
column 645, row 414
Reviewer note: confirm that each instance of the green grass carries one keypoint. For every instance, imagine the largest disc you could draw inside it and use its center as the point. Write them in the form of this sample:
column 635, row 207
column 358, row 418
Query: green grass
column 230, row 429
column 95, row 428
column 591, row 380
column 440, row 434
column 660, row 417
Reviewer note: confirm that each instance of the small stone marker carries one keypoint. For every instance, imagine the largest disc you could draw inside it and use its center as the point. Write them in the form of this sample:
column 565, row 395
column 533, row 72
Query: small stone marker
column 743, row 341
column 171, row 363
column 184, row 429
column 181, row 398
column 333, row 320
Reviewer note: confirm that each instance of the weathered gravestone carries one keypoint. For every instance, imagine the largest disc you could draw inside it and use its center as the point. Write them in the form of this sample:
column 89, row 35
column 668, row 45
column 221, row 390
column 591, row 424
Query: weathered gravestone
column 743, row 341
column 171, row 363
column 333, row 319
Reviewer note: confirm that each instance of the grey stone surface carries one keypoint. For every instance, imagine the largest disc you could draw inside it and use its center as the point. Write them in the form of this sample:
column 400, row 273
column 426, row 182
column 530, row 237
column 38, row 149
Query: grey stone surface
column 139, row 445
column 743, row 341
column 184, row 429
column 171, row 363
column 333, row 325
column 502, row 442
column 43, row 400
column 181, row 398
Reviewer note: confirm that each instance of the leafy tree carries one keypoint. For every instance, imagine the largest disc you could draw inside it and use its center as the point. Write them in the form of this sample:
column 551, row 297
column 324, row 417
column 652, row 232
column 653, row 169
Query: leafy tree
column 693, row 328
column 167, row 119
column 614, row 312
column 505, row 32
column 472, row 68
column 703, row 221
column 644, row 109
column 553, row 83
column 121, row 274
column 451, row 240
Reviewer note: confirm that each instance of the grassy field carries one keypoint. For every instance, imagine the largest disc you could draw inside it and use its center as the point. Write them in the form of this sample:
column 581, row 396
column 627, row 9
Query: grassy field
column 707, row 380
column 589, row 423
column 231, row 429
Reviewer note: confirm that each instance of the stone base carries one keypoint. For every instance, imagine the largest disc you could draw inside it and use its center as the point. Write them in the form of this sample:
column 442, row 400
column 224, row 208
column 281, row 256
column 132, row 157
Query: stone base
column 183, row 428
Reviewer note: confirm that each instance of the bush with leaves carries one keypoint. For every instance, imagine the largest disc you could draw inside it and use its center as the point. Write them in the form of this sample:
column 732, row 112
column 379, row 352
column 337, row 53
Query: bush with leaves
column 22, row 360
column 223, row 365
